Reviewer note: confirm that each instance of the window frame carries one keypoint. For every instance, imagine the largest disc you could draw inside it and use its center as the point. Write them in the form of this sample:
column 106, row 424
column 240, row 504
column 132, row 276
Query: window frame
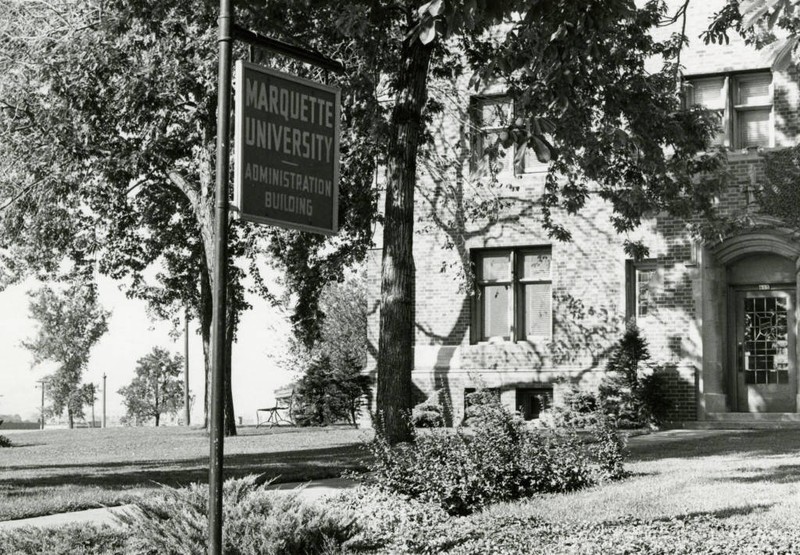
column 479, row 132
column 632, row 270
column 516, row 315
column 732, row 109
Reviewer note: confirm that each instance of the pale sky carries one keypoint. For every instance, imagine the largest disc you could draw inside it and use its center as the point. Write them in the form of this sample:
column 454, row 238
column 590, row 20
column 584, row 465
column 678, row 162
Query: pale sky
column 262, row 336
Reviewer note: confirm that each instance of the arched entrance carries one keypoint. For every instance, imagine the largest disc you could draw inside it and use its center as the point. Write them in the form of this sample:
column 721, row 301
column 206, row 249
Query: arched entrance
column 760, row 277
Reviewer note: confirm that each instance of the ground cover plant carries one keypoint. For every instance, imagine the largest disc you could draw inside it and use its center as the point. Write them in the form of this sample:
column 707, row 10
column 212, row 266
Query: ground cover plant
column 54, row 471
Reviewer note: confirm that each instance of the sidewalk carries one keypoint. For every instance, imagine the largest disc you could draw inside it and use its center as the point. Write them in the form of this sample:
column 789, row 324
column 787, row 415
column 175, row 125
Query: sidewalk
column 310, row 491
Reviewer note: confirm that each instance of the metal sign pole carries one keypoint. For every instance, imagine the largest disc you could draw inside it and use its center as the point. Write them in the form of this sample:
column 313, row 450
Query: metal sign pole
column 219, row 284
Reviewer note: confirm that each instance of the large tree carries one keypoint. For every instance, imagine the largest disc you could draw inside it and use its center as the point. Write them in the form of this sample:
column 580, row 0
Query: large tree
column 108, row 123
column 576, row 70
column 70, row 322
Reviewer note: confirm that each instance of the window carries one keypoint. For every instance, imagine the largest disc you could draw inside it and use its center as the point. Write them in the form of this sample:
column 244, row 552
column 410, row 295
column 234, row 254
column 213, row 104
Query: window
column 642, row 278
column 744, row 104
column 514, row 295
column 491, row 116
column 533, row 400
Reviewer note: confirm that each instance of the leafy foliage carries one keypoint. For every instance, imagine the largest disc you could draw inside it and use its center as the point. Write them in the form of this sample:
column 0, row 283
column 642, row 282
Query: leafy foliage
column 429, row 413
column 108, row 118
column 5, row 442
column 779, row 196
column 501, row 460
column 255, row 521
column 579, row 409
column 156, row 388
column 70, row 323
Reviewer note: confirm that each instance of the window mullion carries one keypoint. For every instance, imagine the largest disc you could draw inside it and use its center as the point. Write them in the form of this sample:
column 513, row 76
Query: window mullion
column 728, row 119
column 513, row 296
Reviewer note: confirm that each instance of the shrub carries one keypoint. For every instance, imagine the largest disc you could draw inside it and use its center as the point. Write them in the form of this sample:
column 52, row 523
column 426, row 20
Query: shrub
column 5, row 442
column 478, row 402
column 609, row 450
column 65, row 540
column 387, row 520
column 579, row 409
column 626, row 394
column 429, row 413
column 255, row 521
column 502, row 459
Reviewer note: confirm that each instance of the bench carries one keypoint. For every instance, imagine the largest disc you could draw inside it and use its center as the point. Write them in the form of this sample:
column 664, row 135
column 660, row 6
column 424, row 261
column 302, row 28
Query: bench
column 281, row 413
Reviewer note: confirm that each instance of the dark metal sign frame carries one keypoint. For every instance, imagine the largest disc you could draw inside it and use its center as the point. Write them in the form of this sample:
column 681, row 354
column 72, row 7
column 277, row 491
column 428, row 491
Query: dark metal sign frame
column 324, row 217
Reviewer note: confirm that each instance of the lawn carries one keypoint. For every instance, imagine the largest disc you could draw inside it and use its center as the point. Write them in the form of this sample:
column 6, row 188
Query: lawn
column 54, row 471
column 738, row 475
column 688, row 492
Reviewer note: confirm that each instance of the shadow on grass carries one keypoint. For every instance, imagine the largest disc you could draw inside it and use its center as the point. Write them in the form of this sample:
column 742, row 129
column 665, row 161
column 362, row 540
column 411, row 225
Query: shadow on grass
column 285, row 466
column 719, row 514
column 711, row 443
column 779, row 474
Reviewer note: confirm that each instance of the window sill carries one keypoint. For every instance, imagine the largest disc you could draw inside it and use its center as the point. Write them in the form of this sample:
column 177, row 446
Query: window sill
column 741, row 155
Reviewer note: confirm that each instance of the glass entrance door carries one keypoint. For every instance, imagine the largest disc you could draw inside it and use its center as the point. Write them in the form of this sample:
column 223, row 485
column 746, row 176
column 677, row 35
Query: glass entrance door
column 765, row 358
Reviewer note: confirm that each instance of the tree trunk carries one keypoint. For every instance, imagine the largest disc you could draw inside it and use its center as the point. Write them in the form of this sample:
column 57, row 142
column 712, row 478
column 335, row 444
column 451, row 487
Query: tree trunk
column 206, row 316
column 70, row 419
column 158, row 417
column 395, row 344
column 230, row 332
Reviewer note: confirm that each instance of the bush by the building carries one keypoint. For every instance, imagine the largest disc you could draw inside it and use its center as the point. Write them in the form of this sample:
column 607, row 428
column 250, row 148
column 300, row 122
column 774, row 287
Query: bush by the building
column 499, row 459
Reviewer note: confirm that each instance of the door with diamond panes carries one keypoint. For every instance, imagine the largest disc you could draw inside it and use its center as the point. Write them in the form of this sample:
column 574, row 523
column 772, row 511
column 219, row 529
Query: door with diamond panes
column 766, row 377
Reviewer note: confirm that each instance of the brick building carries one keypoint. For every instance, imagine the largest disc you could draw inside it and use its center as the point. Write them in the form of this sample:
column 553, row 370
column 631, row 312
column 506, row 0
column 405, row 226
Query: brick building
column 720, row 318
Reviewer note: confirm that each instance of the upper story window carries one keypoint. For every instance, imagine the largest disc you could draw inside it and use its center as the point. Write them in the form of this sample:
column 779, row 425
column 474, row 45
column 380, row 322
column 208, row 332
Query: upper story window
column 642, row 277
column 744, row 104
column 514, row 294
column 491, row 116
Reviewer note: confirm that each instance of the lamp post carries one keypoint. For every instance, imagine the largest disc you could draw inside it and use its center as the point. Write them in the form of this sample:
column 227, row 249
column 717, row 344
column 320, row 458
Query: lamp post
column 94, row 395
column 104, row 400
column 41, row 410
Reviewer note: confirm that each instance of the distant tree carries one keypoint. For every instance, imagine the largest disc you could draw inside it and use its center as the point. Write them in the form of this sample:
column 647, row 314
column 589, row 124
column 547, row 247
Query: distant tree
column 343, row 334
column 70, row 323
column 156, row 389
column 332, row 386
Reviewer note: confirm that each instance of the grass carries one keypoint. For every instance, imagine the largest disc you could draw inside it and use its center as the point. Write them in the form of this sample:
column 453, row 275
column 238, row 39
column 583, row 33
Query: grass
column 719, row 483
column 53, row 471
column 739, row 476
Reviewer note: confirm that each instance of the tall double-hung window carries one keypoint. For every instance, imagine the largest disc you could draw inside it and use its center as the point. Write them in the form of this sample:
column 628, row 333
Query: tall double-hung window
column 642, row 285
column 513, row 301
column 744, row 104
column 491, row 116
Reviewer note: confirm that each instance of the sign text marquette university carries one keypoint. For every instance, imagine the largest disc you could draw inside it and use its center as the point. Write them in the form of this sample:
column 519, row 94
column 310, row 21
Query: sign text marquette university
column 287, row 150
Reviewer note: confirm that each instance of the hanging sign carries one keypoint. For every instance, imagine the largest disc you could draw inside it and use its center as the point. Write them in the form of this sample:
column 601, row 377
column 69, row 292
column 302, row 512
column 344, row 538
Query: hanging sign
column 287, row 150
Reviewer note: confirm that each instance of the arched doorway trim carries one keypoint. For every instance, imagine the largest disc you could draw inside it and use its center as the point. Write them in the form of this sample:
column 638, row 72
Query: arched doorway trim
column 734, row 248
